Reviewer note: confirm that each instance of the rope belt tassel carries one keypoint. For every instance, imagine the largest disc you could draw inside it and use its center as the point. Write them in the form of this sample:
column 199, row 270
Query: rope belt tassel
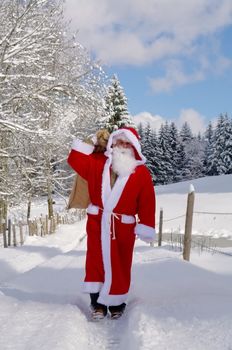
column 114, row 216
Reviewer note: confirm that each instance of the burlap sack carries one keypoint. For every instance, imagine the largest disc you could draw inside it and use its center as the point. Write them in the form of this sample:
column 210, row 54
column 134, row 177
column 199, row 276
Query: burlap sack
column 79, row 196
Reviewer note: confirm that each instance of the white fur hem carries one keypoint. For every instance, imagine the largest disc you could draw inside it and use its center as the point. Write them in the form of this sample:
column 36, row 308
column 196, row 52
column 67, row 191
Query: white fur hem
column 92, row 287
column 82, row 147
column 144, row 231
column 112, row 300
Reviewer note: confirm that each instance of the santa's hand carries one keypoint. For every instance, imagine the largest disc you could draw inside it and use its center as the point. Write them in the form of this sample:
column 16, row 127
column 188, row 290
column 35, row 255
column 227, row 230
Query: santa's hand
column 91, row 140
column 94, row 139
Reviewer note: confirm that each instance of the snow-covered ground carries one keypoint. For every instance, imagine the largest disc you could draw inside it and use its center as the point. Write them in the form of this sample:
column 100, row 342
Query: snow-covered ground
column 212, row 194
column 172, row 304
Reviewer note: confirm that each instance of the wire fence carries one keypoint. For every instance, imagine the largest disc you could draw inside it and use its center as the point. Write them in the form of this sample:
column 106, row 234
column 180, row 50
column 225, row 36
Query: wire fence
column 201, row 242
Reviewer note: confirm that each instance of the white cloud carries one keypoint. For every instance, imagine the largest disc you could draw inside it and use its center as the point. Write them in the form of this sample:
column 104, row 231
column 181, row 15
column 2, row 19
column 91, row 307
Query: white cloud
column 191, row 116
column 145, row 117
column 139, row 32
column 175, row 76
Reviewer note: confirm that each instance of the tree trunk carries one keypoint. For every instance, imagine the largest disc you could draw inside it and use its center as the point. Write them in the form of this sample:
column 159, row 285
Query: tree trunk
column 3, row 212
column 29, row 209
column 50, row 207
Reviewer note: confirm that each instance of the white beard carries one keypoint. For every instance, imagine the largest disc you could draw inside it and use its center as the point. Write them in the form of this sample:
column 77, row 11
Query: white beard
column 123, row 161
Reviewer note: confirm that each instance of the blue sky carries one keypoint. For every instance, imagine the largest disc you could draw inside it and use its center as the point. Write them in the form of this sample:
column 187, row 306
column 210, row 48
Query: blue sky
column 172, row 57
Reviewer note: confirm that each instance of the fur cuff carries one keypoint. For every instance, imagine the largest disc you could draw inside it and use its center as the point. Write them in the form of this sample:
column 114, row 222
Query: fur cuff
column 145, row 232
column 92, row 287
column 112, row 300
column 82, row 147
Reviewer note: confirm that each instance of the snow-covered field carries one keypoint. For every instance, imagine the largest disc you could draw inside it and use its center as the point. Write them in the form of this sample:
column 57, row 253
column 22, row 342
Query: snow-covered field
column 212, row 194
column 172, row 305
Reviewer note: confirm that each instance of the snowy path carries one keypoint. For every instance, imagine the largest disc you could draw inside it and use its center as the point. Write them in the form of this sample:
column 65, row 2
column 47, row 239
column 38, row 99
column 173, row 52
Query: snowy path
column 172, row 305
column 48, row 299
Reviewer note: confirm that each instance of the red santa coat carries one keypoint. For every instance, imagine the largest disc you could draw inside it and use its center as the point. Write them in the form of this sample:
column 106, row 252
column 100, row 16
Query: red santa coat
column 111, row 225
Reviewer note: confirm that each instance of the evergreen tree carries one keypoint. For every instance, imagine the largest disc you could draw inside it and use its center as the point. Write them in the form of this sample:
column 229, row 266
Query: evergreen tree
column 186, row 133
column 149, row 150
column 208, row 139
column 182, row 161
column 227, row 153
column 174, row 153
column 116, row 107
column 195, row 157
column 165, row 164
column 216, row 162
column 141, row 132
column 194, row 152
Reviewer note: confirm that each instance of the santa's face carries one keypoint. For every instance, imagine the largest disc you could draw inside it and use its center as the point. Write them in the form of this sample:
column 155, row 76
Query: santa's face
column 123, row 144
column 123, row 158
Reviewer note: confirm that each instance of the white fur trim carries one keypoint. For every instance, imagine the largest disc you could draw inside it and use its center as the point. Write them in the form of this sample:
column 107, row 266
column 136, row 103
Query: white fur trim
column 82, row 147
column 116, row 193
column 127, row 219
column 145, row 232
column 92, row 287
column 106, row 188
column 112, row 300
column 92, row 209
column 106, row 251
column 110, row 198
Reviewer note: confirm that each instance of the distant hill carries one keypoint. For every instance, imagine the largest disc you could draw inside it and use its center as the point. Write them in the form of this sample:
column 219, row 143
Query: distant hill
column 209, row 184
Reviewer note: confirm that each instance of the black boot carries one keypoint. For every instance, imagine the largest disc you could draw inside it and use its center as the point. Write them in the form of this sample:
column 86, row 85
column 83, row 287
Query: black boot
column 117, row 311
column 99, row 311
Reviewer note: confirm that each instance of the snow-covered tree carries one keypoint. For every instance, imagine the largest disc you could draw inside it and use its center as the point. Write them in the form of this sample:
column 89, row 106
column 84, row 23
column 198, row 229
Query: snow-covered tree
column 50, row 89
column 194, row 151
column 227, row 153
column 208, row 140
column 166, row 170
column 141, row 132
column 116, row 111
column 186, row 134
column 174, row 153
column 217, row 164
column 150, row 150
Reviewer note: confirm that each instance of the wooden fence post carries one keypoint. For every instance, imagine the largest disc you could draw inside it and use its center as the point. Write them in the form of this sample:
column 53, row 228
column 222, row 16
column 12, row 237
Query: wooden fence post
column 41, row 225
column 188, row 224
column 160, row 227
column 14, row 235
column 46, row 225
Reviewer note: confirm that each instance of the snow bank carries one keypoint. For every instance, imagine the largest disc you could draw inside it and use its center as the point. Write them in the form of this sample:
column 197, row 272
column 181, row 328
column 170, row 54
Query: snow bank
column 212, row 195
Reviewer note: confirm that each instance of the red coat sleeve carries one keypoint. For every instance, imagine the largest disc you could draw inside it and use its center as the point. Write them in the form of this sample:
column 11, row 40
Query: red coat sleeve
column 145, row 229
column 79, row 158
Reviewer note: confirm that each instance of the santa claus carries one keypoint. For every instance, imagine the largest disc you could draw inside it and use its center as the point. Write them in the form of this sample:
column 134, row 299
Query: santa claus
column 122, row 207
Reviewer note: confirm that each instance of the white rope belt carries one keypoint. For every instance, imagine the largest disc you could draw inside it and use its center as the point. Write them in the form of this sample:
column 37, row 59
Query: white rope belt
column 94, row 209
